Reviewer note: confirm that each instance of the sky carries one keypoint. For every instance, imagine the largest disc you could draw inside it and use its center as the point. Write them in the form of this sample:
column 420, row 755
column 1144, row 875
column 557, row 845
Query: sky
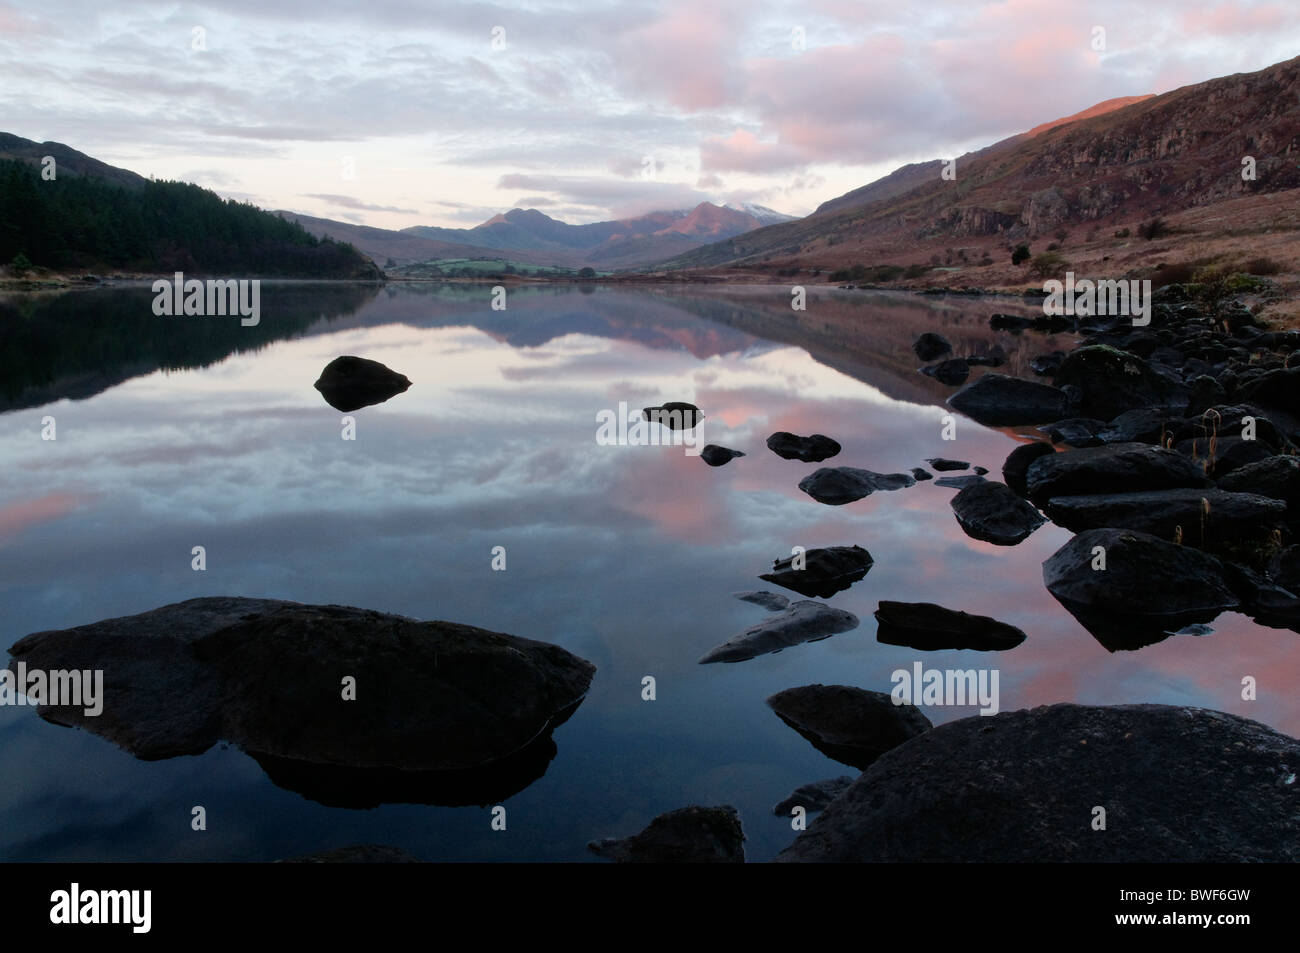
column 395, row 113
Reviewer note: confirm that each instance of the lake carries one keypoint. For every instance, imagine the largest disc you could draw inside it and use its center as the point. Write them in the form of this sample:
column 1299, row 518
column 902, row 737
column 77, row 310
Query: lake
column 181, row 432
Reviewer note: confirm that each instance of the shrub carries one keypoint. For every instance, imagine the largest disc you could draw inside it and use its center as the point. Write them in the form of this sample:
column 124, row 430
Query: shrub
column 1153, row 229
column 1046, row 264
column 20, row 266
column 1122, row 233
column 1262, row 266
column 1020, row 255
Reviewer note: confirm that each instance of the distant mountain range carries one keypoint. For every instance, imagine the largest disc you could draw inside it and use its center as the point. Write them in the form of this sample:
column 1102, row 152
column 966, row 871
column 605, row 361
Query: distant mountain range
column 1118, row 162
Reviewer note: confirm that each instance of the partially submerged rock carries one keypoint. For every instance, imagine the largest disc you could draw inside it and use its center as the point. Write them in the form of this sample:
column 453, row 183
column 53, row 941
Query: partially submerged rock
column 1019, row 461
column 1178, row 784
column 1001, row 401
column 812, row 449
column 1115, row 468
column 675, row 415
column 1195, row 516
column 441, row 710
column 993, row 513
column 349, row 383
column 716, row 456
column 803, row 621
column 930, row 628
column 943, row 465
column 824, row 572
column 851, row 725
column 952, row 372
column 771, row 601
column 813, row 797
column 688, row 835
column 836, row 486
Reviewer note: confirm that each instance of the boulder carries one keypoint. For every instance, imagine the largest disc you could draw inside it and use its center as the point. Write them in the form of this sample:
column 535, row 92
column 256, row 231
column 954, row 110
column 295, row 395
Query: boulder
column 771, row 601
column 1179, row 785
column 836, row 486
column 1202, row 516
column 675, row 415
column 993, row 513
column 824, row 572
column 813, row 797
column 942, row 465
column 803, row 621
column 688, row 835
column 930, row 346
column 349, row 383
column 931, row 628
column 1114, row 468
column 1018, row 462
column 1111, row 381
column 812, row 449
column 851, row 725
column 716, row 456
column 951, row 372
column 999, row 401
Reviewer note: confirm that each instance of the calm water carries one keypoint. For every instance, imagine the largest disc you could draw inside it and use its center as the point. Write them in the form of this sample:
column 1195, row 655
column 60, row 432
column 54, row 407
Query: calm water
column 195, row 431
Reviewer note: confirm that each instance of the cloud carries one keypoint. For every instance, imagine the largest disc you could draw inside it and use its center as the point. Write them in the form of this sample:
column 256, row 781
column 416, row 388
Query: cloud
column 347, row 201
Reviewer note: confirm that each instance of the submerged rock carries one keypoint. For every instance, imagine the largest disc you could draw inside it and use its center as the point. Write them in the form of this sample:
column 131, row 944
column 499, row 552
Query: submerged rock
column 851, row 725
column 716, row 456
column 918, row 474
column 1021, row 787
column 930, row 346
column 803, row 621
column 1131, row 589
column 812, row 449
column 930, row 628
column 675, row 415
column 441, row 710
column 349, row 383
column 836, row 486
column 771, row 601
column 813, row 797
column 952, row 372
column 993, row 513
column 824, row 573
column 1000, row 401
column 688, row 835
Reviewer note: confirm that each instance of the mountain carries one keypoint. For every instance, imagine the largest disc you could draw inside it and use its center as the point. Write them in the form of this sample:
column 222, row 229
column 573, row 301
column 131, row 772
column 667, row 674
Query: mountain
column 762, row 213
column 92, row 216
column 1119, row 163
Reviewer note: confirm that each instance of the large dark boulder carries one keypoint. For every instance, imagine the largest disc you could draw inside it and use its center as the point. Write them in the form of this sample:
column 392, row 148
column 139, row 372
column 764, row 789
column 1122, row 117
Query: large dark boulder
column 688, row 835
column 812, row 449
column 434, row 701
column 1177, row 784
column 349, row 383
column 1277, row 388
column 824, row 572
column 836, row 486
column 993, row 513
column 851, row 725
column 1001, row 401
column 1197, row 516
column 1111, row 381
column 1115, row 468
column 931, row 628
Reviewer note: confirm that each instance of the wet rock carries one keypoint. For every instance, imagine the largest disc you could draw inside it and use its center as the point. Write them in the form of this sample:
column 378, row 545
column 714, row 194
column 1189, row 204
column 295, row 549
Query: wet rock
column 813, row 797
column 1111, row 381
column 1263, row 599
column 1205, row 393
column 1018, row 463
column 824, row 572
column 930, row 346
column 953, row 372
column 1284, row 568
column 998, row 400
column 851, row 725
column 1276, row 388
column 979, row 471
column 771, row 601
column 803, row 621
column 918, row 474
column 675, row 415
column 1220, row 456
column 942, row 465
column 930, row 628
column 688, row 835
column 1047, row 364
column 1144, row 425
column 438, row 701
column 1075, row 431
column 836, row 486
column 993, row 513
column 812, row 449
column 716, row 456
column 1148, row 587
column 1201, row 515
column 960, row 482
column 1115, row 468
column 1012, row 788
column 349, row 383
column 358, row 854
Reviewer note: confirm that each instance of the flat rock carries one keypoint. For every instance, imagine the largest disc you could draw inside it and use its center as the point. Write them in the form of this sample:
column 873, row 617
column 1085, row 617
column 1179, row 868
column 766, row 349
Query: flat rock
column 836, row 486
column 1075, row 431
column 675, row 415
column 851, row 725
column 803, row 621
column 1116, row 468
column 813, row 797
column 1144, row 425
column 1149, row 587
column 960, row 482
column 930, row 628
column 771, row 601
column 824, row 572
column 943, row 465
column 688, row 835
column 716, row 456
column 349, row 383
column 1000, row 401
column 813, row 449
column 993, row 513
column 1278, row 478
column 1180, row 785
column 432, row 697
column 1203, row 515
